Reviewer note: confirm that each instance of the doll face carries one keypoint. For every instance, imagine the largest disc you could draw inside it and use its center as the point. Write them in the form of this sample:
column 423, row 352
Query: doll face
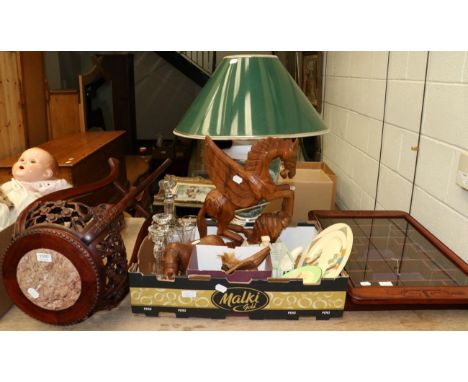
column 34, row 165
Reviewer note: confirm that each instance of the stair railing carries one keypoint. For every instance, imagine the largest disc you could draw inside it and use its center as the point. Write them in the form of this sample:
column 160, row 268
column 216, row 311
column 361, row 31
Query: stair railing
column 205, row 61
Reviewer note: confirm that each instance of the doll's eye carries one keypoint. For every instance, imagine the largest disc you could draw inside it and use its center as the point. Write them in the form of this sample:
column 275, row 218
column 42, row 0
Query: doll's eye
column 32, row 161
column 21, row 160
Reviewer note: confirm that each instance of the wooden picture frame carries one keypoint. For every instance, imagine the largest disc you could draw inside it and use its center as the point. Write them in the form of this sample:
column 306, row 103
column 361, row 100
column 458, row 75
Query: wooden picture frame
column 312, row 67
column 419, row 253
column 188, row 191
column 192, row 192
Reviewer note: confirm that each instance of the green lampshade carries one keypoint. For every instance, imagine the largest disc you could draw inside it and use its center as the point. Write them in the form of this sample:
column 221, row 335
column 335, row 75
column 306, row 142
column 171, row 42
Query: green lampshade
column 249, row 97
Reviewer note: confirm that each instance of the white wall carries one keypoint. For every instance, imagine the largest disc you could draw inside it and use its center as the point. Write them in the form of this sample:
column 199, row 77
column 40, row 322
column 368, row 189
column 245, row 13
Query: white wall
column 353, row 110
column 403, row 105
column 438, row 202
column 162, row 96
column 367, row 93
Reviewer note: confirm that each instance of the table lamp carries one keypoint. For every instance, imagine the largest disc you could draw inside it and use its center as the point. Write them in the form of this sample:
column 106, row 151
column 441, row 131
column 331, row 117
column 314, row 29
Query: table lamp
column 249, row 97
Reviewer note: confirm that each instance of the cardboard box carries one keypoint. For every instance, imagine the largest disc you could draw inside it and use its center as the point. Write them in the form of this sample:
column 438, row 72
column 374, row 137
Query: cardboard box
column 314, row 189
column 205, row 260
column 210, row 296
column 5, row 238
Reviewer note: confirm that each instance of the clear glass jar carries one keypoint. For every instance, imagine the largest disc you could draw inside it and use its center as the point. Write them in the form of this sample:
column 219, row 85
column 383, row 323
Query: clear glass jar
column 158, row 236
column 186, row 228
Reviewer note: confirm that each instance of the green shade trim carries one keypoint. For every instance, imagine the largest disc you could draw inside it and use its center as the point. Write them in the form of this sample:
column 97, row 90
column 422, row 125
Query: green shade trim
column 251, row 97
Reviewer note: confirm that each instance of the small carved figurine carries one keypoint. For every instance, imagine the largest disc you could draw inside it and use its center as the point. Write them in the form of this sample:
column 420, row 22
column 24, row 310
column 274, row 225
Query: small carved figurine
column 231, row 263
column 268, row 224
column 175, row 259
column 229, row 260
column 177, row 255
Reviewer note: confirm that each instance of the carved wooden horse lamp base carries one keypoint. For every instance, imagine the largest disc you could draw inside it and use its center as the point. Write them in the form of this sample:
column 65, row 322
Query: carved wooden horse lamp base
column 244, row 186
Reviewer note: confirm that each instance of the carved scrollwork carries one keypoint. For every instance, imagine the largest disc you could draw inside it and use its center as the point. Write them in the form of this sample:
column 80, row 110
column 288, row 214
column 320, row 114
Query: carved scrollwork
column 107, row 250
column 71, row 215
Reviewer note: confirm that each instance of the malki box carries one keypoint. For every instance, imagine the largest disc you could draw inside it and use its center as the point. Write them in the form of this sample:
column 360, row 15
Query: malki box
column 213, row 295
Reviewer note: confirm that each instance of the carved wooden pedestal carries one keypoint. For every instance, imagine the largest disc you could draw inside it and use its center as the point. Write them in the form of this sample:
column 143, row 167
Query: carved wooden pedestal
column 67, row 259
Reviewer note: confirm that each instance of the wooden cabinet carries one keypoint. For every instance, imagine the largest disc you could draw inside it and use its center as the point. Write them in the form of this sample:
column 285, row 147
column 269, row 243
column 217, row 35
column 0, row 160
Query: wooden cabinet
column 63, row 113
column 23, row 115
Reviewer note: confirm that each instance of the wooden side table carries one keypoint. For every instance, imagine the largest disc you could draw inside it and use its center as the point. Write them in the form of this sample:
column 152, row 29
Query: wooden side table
column 82, row 159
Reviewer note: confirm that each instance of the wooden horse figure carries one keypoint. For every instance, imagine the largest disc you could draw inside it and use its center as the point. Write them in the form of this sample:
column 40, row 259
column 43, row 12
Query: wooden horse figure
column 244, row 186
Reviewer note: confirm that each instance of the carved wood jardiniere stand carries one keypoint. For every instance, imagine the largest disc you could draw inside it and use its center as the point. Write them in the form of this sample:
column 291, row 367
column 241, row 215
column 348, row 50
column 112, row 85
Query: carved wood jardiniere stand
column 68, row 260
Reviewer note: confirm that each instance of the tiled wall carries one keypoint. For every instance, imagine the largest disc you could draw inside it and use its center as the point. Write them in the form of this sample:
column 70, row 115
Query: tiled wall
column 403, row 105
column 353, row 109
column 370, row 92
column 438, row 202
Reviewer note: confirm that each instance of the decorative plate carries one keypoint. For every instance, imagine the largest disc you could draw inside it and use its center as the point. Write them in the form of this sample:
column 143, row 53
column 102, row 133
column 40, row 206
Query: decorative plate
column 310, row 274
column 329, row 250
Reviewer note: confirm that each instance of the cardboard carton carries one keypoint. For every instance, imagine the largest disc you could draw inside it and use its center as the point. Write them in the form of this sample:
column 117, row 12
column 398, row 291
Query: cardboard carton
column 5, row 238
column 205, row 260
column 209, row 295
column 314, row 187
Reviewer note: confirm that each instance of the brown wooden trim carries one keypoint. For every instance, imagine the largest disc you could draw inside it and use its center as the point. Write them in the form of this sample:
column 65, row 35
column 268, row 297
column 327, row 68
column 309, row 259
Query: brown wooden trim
column 33, row 97
column 23, row 111
column 142, row 233
column 409, row 295
column 63, row 91
column 97, row 227
column 12, row 116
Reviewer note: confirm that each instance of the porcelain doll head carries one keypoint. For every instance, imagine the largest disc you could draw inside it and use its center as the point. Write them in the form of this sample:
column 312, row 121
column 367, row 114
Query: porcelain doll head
column 34, row 165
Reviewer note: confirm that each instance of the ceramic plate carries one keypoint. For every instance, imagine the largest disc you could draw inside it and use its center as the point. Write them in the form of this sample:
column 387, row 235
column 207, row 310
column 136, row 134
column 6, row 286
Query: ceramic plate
column 310, row 274
column 329, row 250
